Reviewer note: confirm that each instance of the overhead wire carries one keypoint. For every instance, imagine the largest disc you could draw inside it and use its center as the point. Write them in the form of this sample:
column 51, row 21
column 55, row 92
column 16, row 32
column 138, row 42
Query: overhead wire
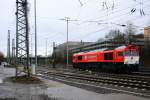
column 113, row 13
column 99, row 30
column 91, row 33
column 88, row 21
column 146, row 4
column 114, row 17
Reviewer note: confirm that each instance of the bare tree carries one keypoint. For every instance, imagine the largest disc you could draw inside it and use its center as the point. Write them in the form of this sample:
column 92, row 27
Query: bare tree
column 112, row 34
column 130, row 31
column 115, row 35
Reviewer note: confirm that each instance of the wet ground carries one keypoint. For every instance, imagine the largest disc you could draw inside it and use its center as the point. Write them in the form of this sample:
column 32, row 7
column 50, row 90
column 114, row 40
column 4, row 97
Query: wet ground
column 51, row 90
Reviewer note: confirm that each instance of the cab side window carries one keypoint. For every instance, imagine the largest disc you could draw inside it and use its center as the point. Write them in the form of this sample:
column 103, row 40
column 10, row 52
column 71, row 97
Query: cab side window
column 79, row 57
column 120, row 54
column 108, row 56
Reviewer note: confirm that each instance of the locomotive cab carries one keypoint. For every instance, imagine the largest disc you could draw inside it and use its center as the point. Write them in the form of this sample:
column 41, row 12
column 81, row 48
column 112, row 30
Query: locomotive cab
column 131, row 55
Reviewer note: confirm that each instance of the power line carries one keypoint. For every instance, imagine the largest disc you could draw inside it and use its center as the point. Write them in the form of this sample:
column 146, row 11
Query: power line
column 121, row 10
column 130, row 7
column 90, row 33
column 117, row 11
column 108, row 14
column 80, row 2
column 100, row 20
column 102, row 28
column 115, row 16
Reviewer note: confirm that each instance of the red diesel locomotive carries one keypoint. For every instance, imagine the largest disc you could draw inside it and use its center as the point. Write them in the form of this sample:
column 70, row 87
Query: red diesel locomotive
column 121, row 59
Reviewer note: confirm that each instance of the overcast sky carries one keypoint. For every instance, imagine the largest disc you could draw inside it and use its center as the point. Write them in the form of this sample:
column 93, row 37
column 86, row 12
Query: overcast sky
column 52, row 29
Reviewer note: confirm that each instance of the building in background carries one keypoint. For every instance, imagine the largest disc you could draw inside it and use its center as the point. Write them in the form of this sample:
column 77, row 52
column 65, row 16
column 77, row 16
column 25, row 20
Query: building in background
column 61, row 50
column 147, row 46
column 75, row 47
column 137, row 39
column 147, row 35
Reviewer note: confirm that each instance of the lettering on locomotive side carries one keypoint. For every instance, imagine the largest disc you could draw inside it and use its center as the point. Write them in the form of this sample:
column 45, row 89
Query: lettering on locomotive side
column 91, row 57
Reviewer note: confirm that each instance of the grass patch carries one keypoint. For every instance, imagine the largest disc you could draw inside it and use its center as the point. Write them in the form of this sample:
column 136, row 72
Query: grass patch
column 26, row 80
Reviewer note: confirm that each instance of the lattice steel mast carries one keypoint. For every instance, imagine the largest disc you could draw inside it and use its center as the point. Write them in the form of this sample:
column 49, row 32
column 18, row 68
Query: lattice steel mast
column 22, row 35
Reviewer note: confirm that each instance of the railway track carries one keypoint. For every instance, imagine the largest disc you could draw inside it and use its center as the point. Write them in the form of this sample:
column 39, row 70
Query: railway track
column 122, row 78
column 136, row 84
column 132, row 84
column 109, row 75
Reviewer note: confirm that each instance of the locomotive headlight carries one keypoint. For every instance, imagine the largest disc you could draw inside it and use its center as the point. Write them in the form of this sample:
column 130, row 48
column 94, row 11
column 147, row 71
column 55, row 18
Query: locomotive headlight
column 136, row 62
column 126, row 62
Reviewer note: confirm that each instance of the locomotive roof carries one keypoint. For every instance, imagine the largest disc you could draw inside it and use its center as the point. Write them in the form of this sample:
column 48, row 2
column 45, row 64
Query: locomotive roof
column 128, row 46
column 121, row 47
column 106, row 49
column 93, row 51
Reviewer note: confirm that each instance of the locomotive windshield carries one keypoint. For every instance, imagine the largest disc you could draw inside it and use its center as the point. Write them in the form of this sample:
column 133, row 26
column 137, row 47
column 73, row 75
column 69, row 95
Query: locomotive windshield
column 127, row 53
column 131, row 53
column 135, row 53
